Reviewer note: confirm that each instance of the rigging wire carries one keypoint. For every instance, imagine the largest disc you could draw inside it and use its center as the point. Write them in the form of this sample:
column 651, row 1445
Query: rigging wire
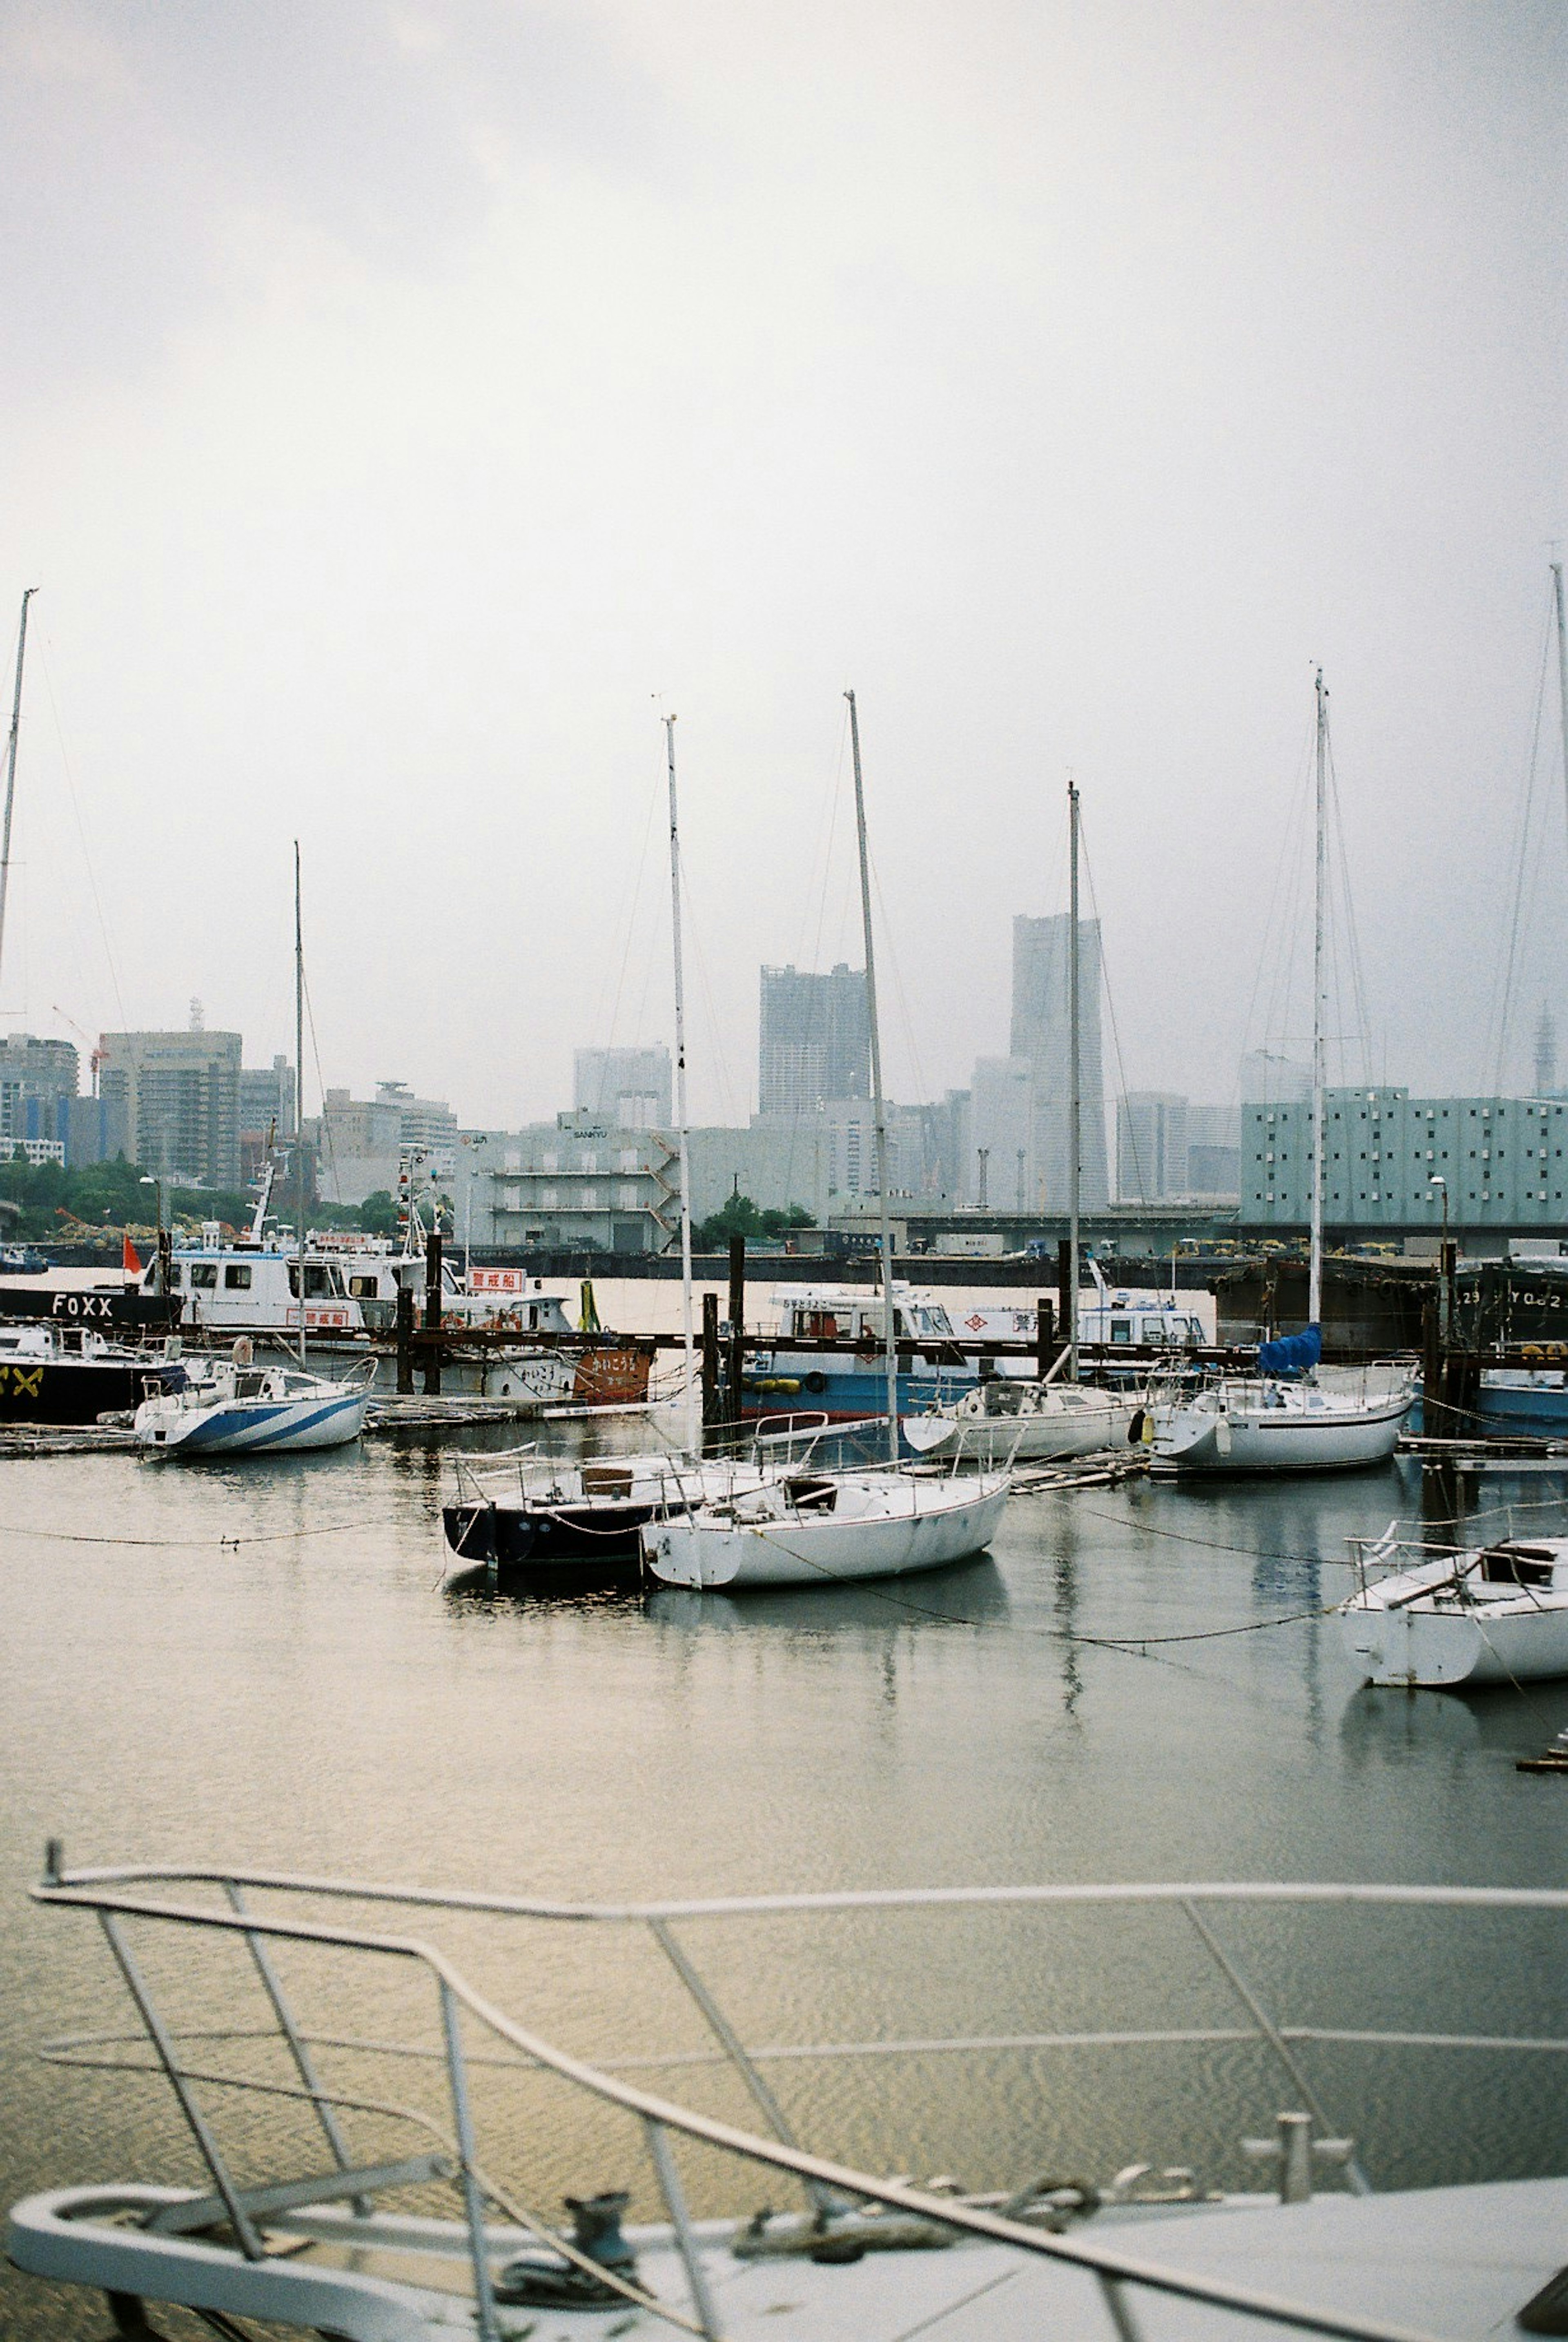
column 109, row 957
column 1524, row 870
column 1110, row 1007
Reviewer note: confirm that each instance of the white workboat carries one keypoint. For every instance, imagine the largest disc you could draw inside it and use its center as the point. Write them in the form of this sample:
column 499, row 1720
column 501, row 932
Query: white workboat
column 1495, row 1615
column 1001, row 1421
column 331, row 2196
column 1262, row 1422
column 241, row 1408
column 827, row 1528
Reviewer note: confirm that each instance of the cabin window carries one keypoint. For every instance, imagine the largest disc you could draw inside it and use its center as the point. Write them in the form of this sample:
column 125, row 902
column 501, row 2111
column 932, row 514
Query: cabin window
column 821, row 1326
column 1153, row 1329
column 1121, row 1329
column 204, row 1276
column 362, row 1288
column 1502, row 1568
column 317, row 1285
column 237, row 1277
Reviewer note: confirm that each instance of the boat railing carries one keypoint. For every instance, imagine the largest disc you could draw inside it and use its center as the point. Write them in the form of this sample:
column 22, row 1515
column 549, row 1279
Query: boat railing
column 143, row 1898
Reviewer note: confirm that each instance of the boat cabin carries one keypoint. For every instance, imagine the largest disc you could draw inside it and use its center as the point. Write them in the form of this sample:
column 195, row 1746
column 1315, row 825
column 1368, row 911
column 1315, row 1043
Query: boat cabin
column 838, row 1313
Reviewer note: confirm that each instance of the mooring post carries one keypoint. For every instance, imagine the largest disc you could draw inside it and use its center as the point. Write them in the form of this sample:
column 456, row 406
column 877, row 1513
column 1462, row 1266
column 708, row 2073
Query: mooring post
column 710, row 1364
column 1432, row 1410
column 1066, row 1299
column 1044, row 1337
column 404, row 1341
column 737, row 1333
column 432, row 1311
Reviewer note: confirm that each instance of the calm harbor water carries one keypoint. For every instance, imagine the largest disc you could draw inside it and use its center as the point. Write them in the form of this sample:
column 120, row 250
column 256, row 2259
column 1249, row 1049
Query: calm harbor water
column 315, row 1697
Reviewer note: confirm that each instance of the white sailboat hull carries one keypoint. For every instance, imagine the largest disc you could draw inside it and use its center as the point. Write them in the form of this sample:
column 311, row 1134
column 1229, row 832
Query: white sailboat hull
column 918, row 1525
column 1049, row 1423
column 291, row 1423
column 1498, row 1617
column 1304, row 1432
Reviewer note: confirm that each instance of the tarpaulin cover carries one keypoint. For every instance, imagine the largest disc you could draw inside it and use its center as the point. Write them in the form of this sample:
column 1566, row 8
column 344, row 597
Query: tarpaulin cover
column 1292, row 1354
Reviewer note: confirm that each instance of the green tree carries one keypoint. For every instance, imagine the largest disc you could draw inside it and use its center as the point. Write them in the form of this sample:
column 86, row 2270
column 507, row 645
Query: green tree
column 741, row 1218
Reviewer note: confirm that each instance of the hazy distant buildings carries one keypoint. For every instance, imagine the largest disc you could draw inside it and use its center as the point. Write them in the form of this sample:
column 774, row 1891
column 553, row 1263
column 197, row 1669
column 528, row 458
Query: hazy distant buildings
column 1271, row 1079
column 813, row 1041
column 177, row 1097
column 1545, row 1054
column 1151, row 1146
column 1001, row 1135
column 1042, row 1033
column 1214, row 1150
column 267, row 1100
column 630, row 1088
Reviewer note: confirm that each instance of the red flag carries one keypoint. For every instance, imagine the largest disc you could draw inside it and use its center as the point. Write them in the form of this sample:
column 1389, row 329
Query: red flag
column 129, row 1264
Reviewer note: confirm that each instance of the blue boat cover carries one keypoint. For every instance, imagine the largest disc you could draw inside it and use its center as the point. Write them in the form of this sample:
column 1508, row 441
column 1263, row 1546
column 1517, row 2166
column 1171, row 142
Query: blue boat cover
column 1291, row 1355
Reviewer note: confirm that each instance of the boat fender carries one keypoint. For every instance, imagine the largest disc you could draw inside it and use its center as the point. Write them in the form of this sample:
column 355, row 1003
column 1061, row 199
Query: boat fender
column 1223, row 1436
column 815, row 1381
column 1135, row 1428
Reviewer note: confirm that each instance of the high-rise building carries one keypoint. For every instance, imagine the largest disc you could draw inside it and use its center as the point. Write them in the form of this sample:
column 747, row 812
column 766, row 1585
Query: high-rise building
column 429, row 1123
column 815, row 1040
column 38, row 1080
column 627, row 1090
column 266, row 1099
column 1152, row 1151
column 1001, row 1135
column 1042, row 1033
column 178, row 1098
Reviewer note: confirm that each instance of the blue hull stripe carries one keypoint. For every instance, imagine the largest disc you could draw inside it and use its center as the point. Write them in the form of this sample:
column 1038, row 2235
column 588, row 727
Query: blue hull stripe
column 247, row 1429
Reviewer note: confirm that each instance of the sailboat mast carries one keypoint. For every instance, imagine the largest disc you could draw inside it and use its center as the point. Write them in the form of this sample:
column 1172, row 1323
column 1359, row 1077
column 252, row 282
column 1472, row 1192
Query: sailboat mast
column 879, row 1109
column 1562, row 686
column 1314, row 1272
column 1074, row 1084
column 11, row 759
column 692, row 1427
column 299, row 1098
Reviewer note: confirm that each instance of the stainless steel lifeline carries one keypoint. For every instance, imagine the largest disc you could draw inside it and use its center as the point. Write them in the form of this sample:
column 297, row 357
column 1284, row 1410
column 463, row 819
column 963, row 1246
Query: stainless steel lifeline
column 109, row 1893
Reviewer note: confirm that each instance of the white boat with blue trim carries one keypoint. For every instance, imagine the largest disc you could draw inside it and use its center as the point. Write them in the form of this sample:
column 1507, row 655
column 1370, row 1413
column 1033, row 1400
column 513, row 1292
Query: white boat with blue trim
column 240, row 1408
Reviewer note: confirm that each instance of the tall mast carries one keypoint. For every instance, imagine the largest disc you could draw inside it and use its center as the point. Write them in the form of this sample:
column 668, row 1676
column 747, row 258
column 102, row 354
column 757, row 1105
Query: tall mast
column 299, row 1098
column 1075, row 1086
column 1561, row 687
column 17, row 726
column 1314, row 1272
column 692, row 1440
column 879, row 1111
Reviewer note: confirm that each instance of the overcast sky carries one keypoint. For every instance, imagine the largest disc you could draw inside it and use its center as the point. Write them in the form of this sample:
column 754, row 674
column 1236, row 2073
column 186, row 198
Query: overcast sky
column 405, row 403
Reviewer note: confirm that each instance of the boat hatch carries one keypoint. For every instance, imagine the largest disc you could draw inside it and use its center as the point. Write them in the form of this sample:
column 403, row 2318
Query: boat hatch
column 1517, row 1565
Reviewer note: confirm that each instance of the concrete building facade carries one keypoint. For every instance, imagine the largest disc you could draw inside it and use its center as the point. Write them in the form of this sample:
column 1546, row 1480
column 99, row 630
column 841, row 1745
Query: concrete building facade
column 179, row 1097
column 1501, row 1161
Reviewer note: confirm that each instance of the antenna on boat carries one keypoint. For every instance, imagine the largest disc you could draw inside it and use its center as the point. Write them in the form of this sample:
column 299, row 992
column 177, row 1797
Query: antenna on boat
column 299, row 1098
column 687, row 1342
column 1314, row 1270
column 1074, row 1085
column 879, row 1111
column 11, row 756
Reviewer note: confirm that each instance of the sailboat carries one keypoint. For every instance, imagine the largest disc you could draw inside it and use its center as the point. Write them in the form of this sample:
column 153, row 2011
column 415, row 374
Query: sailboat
column 812, row 1528
column 543, row 1512
column 1008, row 1417
column 238, row 1408
column 1281, row 1418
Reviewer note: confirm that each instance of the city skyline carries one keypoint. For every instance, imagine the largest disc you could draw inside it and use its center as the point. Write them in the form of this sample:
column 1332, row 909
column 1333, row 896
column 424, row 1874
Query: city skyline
column 351, row 523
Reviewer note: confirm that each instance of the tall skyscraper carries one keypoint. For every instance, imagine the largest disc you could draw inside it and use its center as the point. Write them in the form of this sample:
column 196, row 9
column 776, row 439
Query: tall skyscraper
column 1001, row 1135
column 627, row 1089
column 1042, row 1033
column 1545, row 1053
column 815, row 1040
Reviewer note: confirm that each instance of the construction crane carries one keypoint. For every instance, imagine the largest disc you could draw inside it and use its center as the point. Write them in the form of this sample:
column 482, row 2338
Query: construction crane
column 95, row 1052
